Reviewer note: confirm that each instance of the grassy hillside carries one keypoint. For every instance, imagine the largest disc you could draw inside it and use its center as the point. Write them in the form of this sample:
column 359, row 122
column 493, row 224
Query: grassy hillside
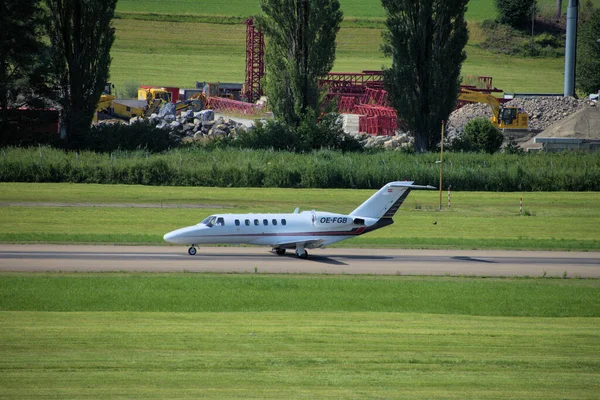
column 179, row 42
column 478, row 10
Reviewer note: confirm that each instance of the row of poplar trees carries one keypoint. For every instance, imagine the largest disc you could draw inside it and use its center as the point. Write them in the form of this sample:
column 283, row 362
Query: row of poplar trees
column 55, row 53
column 424, row 38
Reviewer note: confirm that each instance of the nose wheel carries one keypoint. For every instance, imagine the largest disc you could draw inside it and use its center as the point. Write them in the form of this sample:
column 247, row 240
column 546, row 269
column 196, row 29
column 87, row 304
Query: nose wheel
column 279, row 251
column 192, row 251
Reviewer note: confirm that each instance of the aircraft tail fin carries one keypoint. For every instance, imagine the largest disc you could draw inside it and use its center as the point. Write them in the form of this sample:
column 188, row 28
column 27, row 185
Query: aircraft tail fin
column 386, row 201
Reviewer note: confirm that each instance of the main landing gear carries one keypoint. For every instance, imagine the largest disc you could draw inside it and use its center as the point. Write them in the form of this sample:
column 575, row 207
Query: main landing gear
column 192, row 251
column 301, row 253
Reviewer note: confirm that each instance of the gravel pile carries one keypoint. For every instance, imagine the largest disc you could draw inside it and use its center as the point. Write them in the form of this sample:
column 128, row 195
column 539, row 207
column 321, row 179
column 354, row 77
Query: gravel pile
column 543, row 111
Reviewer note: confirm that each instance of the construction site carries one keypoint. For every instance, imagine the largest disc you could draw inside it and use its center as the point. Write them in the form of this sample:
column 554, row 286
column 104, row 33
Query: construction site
column 360, row 97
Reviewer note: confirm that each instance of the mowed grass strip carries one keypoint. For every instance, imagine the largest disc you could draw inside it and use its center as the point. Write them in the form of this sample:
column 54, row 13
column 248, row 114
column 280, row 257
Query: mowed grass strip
column 559, row 220
column 296, row 355
column 187, row 292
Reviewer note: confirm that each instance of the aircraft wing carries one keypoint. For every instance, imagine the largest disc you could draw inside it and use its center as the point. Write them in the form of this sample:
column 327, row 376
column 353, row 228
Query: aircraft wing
column 308, row 244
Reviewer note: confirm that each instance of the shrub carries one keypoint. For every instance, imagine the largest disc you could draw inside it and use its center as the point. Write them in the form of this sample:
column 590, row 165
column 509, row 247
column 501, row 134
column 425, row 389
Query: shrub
column 516, row 13
column 141, row 135
column 480, row 135
column 310, row 135
column 269, row 135
column 327, row 134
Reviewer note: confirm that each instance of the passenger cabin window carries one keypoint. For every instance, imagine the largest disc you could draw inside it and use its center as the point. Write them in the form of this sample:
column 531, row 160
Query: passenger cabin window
column 265, row 222
column 256, row 222
column 209, row 221
column 283, row 222
column 247, row 222
column 237, row 222
column 274, row 221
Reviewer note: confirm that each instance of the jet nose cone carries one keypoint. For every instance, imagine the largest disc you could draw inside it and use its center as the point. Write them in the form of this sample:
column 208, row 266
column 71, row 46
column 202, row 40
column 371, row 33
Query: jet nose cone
column 168, row 237
column 181, row 236
column 175, row 236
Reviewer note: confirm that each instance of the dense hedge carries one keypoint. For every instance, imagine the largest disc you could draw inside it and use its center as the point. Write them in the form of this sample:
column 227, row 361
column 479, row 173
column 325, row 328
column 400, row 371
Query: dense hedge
column 572, row 171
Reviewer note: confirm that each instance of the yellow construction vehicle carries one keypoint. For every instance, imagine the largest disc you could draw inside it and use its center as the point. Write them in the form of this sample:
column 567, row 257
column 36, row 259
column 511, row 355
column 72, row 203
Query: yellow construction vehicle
column 105, row 102
column 504, row 117
column 149, row 101
column 158, row 96
column 111, row 107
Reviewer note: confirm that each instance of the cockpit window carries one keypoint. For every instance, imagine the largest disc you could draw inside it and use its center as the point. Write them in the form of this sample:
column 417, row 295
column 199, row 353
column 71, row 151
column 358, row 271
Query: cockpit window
column 209, row 221
column 220, row 221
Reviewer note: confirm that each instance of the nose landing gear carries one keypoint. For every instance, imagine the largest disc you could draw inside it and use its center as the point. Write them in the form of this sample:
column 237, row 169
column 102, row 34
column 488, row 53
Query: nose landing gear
column 279, row 251
column 192, row 251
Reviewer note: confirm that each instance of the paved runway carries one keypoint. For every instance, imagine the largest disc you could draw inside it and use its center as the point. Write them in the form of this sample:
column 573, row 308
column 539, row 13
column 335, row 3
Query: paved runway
column 321, row 261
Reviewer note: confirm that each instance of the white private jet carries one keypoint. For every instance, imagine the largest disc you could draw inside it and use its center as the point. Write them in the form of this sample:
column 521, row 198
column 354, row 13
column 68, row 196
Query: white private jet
column 297, row 230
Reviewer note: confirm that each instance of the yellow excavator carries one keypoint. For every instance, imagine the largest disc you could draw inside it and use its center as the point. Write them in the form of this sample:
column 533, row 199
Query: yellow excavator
column 504, row 117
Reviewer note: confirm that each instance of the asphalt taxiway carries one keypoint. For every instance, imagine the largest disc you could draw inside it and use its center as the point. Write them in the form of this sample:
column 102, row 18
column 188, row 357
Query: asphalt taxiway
column 30, row 258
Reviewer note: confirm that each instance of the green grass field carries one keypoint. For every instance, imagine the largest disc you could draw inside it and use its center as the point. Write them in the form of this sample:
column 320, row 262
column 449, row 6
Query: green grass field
column 478, row 10
column 179, row 42
column 475, row 220
column 66, row 336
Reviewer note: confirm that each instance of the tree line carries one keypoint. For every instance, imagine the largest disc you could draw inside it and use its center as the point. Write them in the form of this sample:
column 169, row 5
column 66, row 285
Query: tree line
column 55, row 53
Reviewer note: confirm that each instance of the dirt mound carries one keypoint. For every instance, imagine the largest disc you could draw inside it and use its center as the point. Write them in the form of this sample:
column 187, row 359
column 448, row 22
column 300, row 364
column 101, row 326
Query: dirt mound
column 583, row 124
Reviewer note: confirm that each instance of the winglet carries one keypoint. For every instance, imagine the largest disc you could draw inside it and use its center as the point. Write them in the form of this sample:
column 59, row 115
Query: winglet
column 297, row 210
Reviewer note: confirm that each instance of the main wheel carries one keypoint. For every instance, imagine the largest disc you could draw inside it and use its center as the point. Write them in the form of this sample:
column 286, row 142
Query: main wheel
column 280, row 252
column 302, row 254
column 192, row 251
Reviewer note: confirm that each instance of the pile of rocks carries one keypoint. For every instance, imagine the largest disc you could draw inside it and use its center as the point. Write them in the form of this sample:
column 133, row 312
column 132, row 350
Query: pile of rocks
column 401, row 140
column 190, row 125
column 543, row 111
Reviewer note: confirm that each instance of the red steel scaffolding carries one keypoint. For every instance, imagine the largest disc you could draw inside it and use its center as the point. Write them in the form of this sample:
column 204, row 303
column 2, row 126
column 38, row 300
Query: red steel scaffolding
column 363, row 94
column 255, row 64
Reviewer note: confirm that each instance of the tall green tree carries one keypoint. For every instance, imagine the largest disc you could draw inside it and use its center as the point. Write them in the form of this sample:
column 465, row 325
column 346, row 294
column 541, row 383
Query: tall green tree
column 300, row 49
column 588, row 54
column 81, row 36
column 426, row 40
column 23, row 57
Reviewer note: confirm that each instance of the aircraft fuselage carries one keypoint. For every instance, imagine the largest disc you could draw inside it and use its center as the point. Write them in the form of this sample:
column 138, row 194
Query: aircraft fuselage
column 276, row 230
